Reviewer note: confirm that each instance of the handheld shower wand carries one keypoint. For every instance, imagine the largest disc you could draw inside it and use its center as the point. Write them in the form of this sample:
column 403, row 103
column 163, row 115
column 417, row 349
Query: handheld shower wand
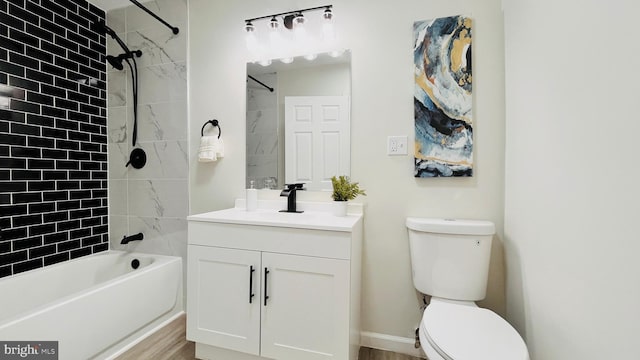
column 116, row 61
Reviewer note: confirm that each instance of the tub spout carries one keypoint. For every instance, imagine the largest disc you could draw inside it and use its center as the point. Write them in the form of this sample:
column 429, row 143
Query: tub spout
column 128, row 239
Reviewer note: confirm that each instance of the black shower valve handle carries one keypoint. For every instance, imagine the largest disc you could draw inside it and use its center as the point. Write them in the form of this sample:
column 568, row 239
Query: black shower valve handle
column 137, row 159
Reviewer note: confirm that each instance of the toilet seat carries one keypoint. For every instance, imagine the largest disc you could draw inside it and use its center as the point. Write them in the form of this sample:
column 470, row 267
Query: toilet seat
column 466, row 332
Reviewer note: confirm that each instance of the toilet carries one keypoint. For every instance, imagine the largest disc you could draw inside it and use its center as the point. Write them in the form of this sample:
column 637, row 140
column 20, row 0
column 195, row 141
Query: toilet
column 450, row 262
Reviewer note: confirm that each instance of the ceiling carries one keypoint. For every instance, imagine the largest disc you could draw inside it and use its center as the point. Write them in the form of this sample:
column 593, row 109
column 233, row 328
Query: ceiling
column 107, row 5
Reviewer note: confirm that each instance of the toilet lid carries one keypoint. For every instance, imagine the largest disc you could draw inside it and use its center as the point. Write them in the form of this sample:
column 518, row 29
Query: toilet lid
column 463, row 332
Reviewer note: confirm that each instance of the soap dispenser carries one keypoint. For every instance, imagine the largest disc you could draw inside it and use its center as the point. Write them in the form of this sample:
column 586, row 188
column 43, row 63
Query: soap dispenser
column 252, row 197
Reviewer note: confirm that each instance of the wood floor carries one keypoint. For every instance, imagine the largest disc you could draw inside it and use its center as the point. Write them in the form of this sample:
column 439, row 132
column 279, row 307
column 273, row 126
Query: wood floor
column 170, row 343
column 374, row 354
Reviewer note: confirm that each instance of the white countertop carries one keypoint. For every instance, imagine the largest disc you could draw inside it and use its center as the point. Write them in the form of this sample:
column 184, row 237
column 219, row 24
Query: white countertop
column 309, row 219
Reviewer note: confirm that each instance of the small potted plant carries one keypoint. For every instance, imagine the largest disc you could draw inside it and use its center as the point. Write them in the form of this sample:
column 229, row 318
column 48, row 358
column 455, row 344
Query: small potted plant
column 343, row 191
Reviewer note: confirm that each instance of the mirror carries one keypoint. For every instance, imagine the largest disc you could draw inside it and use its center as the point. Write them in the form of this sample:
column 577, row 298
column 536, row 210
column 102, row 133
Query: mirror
column 302, row 105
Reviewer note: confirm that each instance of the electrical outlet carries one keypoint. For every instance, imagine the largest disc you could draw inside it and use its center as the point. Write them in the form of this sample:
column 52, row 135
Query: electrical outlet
column 397, row 145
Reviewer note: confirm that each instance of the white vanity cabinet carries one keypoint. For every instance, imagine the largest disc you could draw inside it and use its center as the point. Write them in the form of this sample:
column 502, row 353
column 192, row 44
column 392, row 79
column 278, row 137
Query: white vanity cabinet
column 273, row 290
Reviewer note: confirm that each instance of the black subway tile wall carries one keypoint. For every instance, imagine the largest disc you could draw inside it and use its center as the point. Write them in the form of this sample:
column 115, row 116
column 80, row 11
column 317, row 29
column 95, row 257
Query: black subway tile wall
column 53, row 153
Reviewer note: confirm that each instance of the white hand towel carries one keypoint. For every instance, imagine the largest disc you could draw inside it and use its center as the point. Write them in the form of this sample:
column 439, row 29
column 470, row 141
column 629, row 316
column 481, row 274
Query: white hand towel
column 208, row 148
column 219, row 148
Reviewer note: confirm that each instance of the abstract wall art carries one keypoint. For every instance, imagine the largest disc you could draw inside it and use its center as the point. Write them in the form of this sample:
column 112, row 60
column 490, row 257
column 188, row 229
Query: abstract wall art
column 443, row 97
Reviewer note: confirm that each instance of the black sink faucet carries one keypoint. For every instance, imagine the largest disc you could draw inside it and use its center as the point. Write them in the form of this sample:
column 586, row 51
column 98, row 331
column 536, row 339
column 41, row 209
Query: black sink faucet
column 290, row 192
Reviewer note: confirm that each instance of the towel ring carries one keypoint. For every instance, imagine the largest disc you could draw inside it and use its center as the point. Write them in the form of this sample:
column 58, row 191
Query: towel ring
column 213, row 122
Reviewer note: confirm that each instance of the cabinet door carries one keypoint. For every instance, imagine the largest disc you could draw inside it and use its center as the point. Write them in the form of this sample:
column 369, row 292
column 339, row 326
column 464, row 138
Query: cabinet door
column 306, row 315
column 219, row 309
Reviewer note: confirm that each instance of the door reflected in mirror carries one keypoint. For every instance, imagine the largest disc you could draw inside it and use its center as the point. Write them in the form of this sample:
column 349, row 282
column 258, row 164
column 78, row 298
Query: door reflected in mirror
column 298, row 121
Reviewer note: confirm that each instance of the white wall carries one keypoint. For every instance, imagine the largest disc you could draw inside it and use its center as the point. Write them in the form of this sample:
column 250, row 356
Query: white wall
column 572, row 200
column 380, row 37
column 325, row 80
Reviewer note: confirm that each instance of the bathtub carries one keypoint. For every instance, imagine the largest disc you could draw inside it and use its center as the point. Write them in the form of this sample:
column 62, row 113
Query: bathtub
column 95, row 306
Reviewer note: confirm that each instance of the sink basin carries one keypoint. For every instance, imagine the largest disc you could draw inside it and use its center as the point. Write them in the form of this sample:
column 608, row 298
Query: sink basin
column 319, row 220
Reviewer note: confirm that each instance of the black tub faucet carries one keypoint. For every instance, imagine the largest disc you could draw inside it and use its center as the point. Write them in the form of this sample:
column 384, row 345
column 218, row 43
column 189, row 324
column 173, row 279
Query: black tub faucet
column 128, row 239
column 290, row 192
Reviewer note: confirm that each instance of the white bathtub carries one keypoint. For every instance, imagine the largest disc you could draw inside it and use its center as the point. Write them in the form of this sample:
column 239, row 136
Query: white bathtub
column 94, row 306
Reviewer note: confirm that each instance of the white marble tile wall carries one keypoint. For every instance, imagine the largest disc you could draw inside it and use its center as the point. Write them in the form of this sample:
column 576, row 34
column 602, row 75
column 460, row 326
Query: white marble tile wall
column 162, row 121
column 172, row 11
column 157, row 198
column 262, row 130
column 157, row 47
column 152, row 200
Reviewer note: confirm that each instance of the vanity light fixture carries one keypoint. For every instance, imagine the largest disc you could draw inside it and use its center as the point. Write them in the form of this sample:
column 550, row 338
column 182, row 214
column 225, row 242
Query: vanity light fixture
column 295, row 16
column 291, row 20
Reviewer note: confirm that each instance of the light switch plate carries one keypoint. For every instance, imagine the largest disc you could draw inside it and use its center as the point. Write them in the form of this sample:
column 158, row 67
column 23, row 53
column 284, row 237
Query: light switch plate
column 397, row 145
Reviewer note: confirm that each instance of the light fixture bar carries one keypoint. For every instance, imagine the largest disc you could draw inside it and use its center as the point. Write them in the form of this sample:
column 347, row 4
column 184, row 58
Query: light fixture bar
column 290, row 12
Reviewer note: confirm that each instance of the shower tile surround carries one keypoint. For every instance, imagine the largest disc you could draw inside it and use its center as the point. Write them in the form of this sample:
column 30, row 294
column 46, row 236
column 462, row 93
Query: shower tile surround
column 152, row 200
column 53, row 134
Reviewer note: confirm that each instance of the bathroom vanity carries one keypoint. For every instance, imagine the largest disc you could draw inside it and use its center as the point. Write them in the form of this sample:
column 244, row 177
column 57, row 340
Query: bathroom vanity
column 271, row 285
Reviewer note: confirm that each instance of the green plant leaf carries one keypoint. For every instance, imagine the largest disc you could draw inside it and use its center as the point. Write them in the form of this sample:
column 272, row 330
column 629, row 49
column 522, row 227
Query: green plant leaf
column 344, row 189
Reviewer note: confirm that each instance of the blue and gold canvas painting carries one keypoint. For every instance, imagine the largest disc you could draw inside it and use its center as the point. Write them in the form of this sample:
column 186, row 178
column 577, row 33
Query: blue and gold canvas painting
column 443, row 97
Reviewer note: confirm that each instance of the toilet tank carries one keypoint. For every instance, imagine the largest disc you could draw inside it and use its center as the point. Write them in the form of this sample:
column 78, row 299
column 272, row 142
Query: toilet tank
column 450, row 258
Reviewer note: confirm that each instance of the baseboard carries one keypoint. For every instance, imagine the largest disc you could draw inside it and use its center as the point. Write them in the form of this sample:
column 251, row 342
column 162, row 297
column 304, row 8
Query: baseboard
column 386, row 342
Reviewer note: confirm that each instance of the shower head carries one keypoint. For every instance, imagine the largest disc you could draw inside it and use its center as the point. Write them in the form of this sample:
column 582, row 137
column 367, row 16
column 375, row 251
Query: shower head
column 116, row 61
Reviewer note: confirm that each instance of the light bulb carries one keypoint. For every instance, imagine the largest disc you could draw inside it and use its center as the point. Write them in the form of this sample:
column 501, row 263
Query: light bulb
column 299, row 31
column 328, row 14
column 273, row 24
column 288, row 60
column 275, row 37
column 336, row 53
column 250, row 37
column 266, row 62
column 328, row 33
column 298, row 21
column 311, row 57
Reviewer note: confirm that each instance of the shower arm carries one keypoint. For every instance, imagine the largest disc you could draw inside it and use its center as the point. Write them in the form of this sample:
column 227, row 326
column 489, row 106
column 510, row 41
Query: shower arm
column 115, row 37
column 101, row 27
column 175, row 30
